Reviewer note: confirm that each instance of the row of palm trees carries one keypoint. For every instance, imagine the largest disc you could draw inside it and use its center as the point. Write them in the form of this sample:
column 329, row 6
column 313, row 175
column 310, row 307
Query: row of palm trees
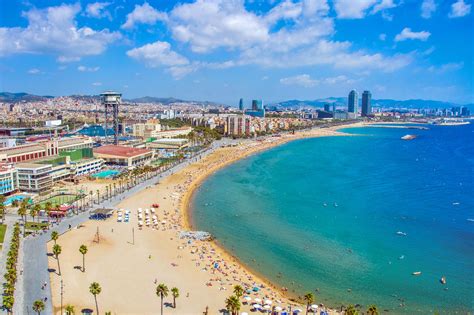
column 11, row 267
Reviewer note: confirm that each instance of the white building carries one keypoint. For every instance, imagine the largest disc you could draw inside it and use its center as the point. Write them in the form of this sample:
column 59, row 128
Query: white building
column 8, row 179
column 34, row 177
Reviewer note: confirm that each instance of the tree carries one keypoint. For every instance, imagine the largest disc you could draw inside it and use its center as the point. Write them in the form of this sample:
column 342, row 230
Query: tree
column 175, row 294
column 22, row 214
column 38, row 306
column 95, row 290
column 232, row 304
column 48, row 206
column 2, row 207
column 238, row 291
column 351, row 310
column 162, row 291
column 372, row 310
column 54, row 236
column 35, row 211
column 70, row 310
column 83, row 251
column 57, row 251
column 309, row 299
column 8, row 302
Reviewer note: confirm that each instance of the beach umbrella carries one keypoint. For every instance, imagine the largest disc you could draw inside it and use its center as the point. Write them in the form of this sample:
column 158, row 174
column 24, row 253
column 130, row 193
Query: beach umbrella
column 269, row 302
column 258, row 300
column 278, row 309
column 267, row 307
column 256, row 289
column 314, row 307
column 257, row 306
column 247, row 298
column 297, row 310
column 244, row 313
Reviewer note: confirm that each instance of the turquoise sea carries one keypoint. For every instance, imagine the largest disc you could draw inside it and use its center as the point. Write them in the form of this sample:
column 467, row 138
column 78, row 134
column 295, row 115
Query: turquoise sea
column 322, row 215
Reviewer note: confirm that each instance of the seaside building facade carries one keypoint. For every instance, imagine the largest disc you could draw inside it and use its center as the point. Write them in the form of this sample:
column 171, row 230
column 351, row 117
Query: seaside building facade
column 123, row 156
column 8, row 179
column 34, row 177
column 366, row 104
column 353, row 104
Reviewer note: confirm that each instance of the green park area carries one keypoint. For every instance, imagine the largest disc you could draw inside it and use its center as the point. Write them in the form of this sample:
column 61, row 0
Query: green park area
column 59, row 200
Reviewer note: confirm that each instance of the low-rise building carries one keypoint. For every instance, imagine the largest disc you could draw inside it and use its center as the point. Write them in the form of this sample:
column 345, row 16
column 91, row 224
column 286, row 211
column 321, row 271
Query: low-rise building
column 123, row 156
column 8, row 179
column 34, row 177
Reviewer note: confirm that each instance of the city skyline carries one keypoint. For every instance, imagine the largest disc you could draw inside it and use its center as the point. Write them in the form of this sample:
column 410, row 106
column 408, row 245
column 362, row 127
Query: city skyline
column 284, row 50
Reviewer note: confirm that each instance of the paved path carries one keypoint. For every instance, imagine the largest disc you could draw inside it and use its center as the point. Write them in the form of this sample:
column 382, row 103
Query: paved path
column 34, row 259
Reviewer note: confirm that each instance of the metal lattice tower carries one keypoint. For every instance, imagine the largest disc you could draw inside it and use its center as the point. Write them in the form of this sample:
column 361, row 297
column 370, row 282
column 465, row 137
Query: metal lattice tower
column 111, row 101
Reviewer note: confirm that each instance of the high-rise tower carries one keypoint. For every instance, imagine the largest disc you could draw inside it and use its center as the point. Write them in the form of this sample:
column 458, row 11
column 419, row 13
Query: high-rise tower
column 111, row 101
column 353, row 103
column 366, row 103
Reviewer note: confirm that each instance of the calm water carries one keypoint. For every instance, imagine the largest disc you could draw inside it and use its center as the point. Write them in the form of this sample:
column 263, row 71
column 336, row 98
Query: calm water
column 269, row 211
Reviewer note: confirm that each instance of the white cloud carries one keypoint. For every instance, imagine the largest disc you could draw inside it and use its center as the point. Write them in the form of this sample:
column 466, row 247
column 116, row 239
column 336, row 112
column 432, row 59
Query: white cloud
column 459, row 9
column 34, row 71
column 302, row 80
column 210, row 24
column 352, row 9
column 383, row 5
column 97, row 83
column 54, row 31
column 452, row 66
column 407, row 33
column 428, row 7
column 87, row 69
column 97, row 10
column 383, row 36
column 157, row 54
column 144, row 14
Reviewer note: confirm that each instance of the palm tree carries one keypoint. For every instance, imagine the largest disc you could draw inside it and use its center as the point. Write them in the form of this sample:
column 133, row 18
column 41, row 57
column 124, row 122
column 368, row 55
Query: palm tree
column 98, row 196
column 95, row 290
column 70, row 310
column 351, row 310
column 57, row 251
column 372, row 310
column 54, row 236
column 162, row 291
column 175, row 294
column 34, row 211
column 238, row 291
column 83, row 251
column 8, row 302
column 2, row 207
column 48, row 206
column 232, row 304
column 38, row 306
column 22, row 214
column 309, row 299
column 91, row 194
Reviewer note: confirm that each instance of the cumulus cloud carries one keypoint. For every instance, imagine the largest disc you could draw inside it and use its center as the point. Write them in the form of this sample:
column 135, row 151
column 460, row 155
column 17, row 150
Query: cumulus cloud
column 452, row 66
column 97, row 83
column 428, row 7
column 157, row 54
column 459, row 9
column 143, row 14
column 350, row 9
column 384, row 5
column 98, row 10
column 407, row 34
column 54, row 31
column 87, row 69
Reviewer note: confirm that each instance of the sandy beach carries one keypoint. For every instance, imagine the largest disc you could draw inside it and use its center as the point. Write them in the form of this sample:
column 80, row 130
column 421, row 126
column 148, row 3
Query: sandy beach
column 129, row 261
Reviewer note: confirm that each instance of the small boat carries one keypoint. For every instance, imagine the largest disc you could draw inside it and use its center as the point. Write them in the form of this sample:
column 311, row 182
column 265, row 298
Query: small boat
column 325, row 204
column 401, row 233
column 416, row 273
column 401, row 257
column 455, row 203
column 335, row 205
column 443, row 280
column 470, row 220
column 408, row 137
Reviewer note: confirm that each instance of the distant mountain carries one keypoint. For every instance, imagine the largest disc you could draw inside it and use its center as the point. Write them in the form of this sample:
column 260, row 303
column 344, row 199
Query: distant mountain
column 342, row 101
column 21, row 97
column 152, row 99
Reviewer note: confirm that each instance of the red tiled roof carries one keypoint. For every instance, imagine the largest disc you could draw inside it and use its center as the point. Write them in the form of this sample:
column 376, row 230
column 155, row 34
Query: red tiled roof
column 120, row 150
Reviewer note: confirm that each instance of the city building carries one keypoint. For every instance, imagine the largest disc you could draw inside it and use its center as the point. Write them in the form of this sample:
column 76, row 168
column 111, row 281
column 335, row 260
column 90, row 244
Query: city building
column 257, row 109
column 34, row 177
column 123, row 156
column 327, row 107
column 353, row 104
column 147, row 130
column 257, row 105
column 241, row 104
column 366, row 103
column 171, row 133
column 238, row 125
column 8, row 179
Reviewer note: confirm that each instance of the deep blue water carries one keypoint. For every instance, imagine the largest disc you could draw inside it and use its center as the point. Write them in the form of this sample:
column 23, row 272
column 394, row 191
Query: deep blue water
column 96, row 131
column 269, row 210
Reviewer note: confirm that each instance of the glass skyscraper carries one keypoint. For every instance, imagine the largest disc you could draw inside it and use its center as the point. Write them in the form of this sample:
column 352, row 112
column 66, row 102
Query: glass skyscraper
column 366, row 103
column 353, row 102
column 241, row 104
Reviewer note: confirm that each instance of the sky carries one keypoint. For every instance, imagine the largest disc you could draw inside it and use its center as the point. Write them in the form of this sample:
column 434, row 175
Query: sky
column 222, row 50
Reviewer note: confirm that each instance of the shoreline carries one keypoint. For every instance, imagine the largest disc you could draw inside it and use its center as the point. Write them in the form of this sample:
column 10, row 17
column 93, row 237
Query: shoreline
column 186, row 209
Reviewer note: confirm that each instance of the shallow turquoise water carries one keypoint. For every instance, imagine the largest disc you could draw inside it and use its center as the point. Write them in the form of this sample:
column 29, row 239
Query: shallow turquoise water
column 106, row 174
column 269, row 211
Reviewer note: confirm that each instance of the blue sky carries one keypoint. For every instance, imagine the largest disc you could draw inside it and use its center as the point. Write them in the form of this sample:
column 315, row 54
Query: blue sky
column 222, row 50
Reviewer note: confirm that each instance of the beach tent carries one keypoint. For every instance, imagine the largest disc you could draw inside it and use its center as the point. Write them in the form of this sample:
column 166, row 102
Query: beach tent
column 256, row 289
